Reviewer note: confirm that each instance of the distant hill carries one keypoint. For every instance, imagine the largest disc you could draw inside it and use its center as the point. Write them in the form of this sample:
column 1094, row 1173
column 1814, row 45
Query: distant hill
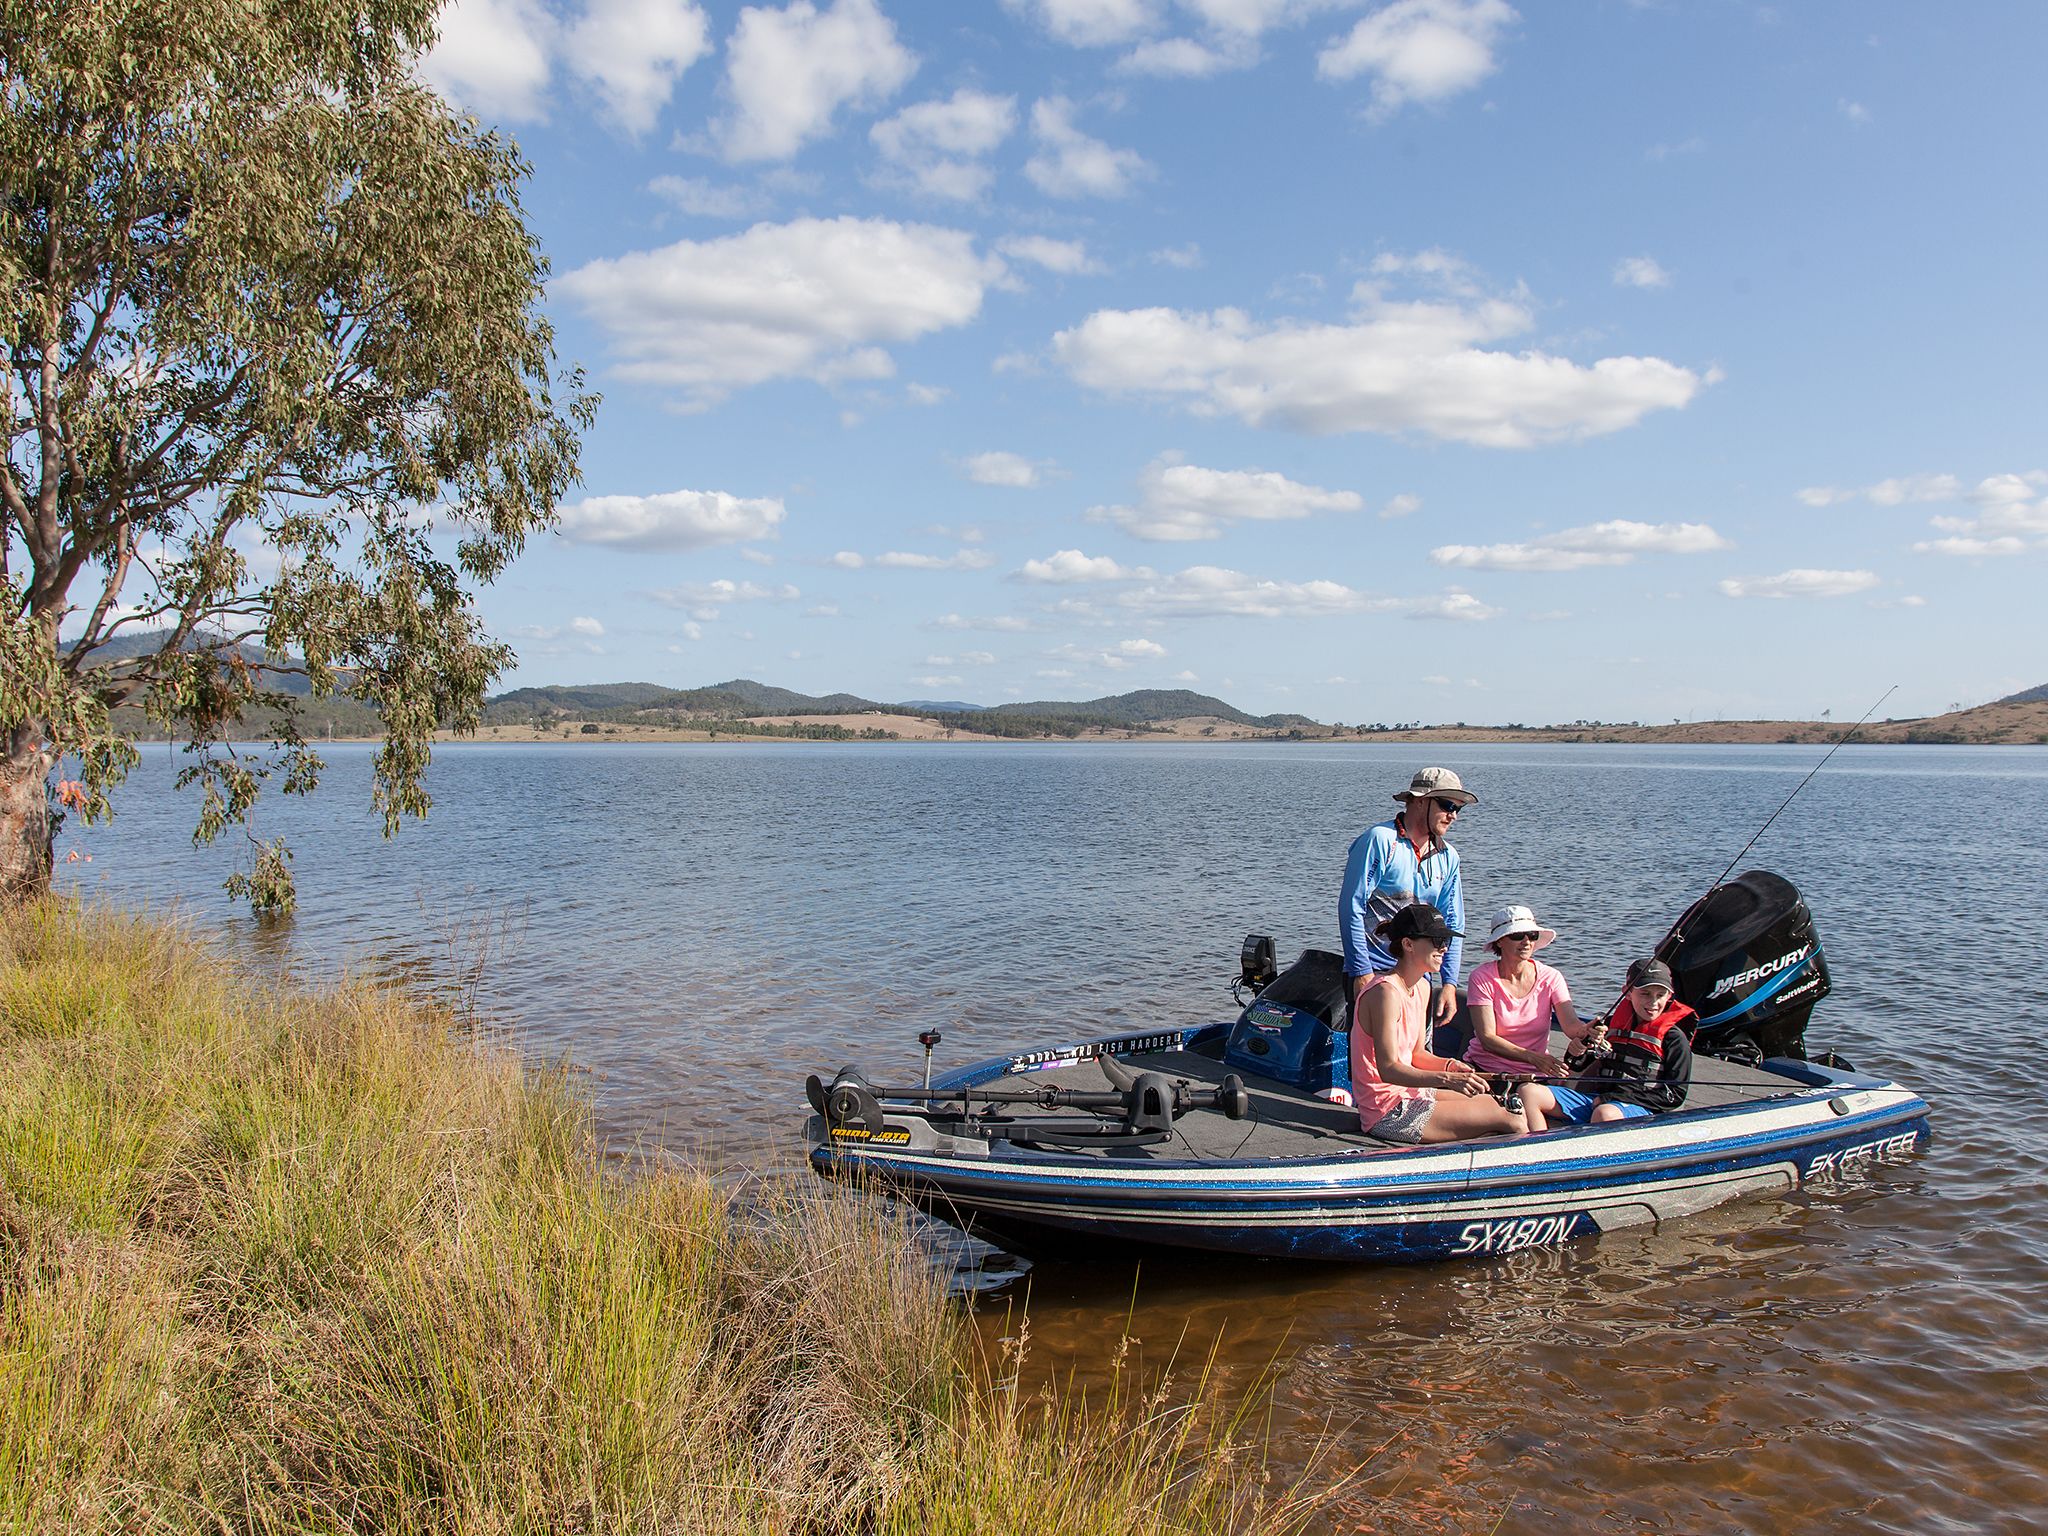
column 1147, row 706
column 2031, row 696
column 648, row 703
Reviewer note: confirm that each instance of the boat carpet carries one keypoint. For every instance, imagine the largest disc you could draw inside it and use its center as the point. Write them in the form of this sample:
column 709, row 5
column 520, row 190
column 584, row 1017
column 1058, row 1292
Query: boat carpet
column 1285, row 1122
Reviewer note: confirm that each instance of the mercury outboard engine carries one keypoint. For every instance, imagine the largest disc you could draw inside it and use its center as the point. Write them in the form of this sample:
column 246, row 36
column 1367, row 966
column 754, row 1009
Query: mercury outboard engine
column 1746, row 960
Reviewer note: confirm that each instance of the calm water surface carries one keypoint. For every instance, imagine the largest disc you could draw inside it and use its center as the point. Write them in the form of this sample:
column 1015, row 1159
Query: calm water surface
column 698, row 927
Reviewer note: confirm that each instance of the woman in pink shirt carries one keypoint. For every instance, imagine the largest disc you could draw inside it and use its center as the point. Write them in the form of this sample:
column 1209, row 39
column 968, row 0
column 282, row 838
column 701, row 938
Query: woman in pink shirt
column 1404, row 1094
column 1511, row 999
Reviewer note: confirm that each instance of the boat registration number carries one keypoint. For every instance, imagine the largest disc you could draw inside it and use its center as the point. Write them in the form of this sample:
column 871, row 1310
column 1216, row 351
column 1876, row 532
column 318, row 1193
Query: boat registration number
column 1512, row 1236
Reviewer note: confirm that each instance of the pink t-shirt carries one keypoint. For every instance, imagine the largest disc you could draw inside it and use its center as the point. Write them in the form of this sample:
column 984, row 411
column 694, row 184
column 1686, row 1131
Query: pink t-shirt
column 1523, row 1021
column 1377, row 1099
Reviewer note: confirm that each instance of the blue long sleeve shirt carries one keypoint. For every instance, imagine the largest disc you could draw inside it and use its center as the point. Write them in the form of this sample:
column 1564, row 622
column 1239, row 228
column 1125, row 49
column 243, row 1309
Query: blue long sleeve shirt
column 1381, row 876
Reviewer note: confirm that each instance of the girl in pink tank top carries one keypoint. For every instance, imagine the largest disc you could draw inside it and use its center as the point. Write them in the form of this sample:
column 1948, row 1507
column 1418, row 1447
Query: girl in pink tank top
column 1406, row 1094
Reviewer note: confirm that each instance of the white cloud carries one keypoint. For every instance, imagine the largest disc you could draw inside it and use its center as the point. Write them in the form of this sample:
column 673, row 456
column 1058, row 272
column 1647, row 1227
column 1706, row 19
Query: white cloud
column 1403, row 505
column 1058, row 674
column 1892, row 493
column 1420, row 366
column 1419, row 50
column 1184, row 501
column 822, row 611
column 693, row 194
column 1071, row 164
column 999, row 468
column 790, row 71
column 1802, row 583
column 1855, row 111
column 927, row 394
column 1070, row 565
column 964, row 560
column 1972, row 545
column 1185, row 677
column 1003, row 624
column 1067, row 257
column 1640, row 272
column 491, row 57
column 847, row 560
column 978, row 658
column 1207, row 591
column 1185, row 58
column 1454, row 605
column 1144, row 649
column 672, row 520
column 1249, row 18
column 815, row 298
column 1997, row 490
column 1825, row 495
column 1185, row 257
column 580, row 635
column 1886, row 493
column 1617, row 542
column 632, row 52
column 934, row 681
column 939, row 146
column 1089, row 23
column 702, row 600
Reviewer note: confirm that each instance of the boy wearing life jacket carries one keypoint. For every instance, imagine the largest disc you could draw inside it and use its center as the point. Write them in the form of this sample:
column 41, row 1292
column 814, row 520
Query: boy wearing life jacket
column 1648, row 1065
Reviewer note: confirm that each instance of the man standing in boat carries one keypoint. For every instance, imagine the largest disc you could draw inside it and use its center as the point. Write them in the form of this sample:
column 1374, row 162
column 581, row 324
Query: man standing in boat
column 1396, row 863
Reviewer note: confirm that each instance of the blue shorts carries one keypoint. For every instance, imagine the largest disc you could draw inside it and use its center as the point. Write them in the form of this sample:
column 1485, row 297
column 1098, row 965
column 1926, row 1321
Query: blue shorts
column 1577, row 1107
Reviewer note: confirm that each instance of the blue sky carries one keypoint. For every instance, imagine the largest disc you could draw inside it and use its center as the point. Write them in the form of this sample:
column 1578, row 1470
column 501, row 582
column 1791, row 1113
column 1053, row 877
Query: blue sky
column 1433, row 360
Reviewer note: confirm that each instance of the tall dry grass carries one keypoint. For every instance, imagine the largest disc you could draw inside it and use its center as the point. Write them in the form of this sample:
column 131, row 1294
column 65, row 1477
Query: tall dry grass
column 274, row 1260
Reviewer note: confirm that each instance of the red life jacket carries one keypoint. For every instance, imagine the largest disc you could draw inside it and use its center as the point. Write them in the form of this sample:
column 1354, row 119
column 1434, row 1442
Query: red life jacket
column 1639, row 1046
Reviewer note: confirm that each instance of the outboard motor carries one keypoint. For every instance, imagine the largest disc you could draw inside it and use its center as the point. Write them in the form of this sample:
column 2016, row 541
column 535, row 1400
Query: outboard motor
column 1746, row 960
column 1295, row 1029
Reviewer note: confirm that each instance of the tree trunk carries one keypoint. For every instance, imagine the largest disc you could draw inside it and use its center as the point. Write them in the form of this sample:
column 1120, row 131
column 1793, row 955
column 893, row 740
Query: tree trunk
column 25, row 852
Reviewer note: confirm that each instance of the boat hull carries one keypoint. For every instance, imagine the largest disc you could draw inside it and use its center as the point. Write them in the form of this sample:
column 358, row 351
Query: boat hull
column 1374, row 1204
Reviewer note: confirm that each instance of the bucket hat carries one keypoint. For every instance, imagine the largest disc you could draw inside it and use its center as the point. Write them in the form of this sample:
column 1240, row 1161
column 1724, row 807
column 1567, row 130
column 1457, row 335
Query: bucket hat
column 1434, row 783
column 1517, row 919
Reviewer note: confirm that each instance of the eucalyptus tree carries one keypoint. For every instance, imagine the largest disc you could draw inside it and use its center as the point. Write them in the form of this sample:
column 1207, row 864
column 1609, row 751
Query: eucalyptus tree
column 279, row 391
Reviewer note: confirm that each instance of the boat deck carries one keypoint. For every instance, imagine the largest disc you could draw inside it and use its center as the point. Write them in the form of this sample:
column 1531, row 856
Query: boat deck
column 1285, row 1122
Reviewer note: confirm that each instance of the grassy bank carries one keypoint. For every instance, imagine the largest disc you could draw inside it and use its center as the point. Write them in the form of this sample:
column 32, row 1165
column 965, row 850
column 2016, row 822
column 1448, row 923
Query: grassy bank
column 276, row 1261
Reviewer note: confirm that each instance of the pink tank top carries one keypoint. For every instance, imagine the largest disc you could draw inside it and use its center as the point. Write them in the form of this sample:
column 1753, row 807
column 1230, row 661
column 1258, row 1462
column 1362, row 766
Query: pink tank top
column 1374, row 1097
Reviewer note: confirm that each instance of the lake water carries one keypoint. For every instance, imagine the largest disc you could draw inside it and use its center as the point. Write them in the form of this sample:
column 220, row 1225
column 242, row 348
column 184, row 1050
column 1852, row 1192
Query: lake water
column 697, row 927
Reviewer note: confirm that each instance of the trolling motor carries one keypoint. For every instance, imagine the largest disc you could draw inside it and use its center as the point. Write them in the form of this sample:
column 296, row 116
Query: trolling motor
column 1138, row 1111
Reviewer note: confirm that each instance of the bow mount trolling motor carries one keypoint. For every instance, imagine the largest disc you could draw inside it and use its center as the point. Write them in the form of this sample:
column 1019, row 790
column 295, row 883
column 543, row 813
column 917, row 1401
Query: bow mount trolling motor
column 1137, row 1110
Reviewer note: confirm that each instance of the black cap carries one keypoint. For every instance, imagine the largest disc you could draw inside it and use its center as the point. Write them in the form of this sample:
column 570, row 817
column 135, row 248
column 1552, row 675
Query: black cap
column 1650, row 973
column 1418, row 920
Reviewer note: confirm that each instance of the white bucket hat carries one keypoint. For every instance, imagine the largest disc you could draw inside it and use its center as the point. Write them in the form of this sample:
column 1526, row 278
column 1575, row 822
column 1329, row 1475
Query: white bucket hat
column 1519, row 920
column 1431, row 783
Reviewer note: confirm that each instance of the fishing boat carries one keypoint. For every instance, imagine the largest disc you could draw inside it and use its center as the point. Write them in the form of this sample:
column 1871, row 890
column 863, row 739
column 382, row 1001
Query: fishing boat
column 1222, row 1137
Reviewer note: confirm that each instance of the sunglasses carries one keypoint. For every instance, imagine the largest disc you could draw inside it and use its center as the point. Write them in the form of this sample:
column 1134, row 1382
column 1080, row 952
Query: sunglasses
column 1449, row 807
column 1520, row 938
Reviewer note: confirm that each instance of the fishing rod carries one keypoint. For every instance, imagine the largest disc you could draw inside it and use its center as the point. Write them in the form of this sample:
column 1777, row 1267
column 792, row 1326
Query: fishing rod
column 1677, row 935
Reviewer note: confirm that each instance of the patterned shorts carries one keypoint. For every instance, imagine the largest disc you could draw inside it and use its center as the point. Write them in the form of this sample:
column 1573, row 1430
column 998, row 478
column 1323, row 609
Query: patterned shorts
column 1403, row 1126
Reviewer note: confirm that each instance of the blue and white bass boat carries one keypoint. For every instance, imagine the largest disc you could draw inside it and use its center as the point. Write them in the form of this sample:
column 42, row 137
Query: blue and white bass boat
column 1216, row 1136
